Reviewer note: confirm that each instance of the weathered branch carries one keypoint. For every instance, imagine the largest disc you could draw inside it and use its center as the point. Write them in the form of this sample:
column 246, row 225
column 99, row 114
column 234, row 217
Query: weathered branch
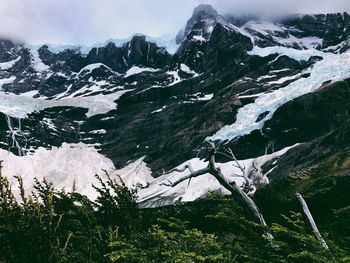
column 235, row 190
column 180, row 170
column 192, row 174
column 238, row 164
column 311, row 221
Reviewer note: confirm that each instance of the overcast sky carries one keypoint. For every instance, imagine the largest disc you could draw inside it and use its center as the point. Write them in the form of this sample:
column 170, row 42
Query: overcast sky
column 90, row 21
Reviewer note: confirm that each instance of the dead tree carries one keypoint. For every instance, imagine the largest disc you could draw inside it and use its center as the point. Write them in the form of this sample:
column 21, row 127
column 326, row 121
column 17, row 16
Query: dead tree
column 311, row 221
column 237, row 193
column 1, row 161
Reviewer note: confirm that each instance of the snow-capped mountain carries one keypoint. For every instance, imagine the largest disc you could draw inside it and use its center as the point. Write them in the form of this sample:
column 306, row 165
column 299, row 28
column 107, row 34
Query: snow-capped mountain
column 274, row 91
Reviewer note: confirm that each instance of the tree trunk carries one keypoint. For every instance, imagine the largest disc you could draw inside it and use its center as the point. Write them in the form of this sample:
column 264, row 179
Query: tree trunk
column 311, row 221
column 1, row 168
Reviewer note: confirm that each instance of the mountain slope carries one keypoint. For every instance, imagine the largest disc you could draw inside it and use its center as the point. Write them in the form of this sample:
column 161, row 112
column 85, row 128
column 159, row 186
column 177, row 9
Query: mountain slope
column 275, row 92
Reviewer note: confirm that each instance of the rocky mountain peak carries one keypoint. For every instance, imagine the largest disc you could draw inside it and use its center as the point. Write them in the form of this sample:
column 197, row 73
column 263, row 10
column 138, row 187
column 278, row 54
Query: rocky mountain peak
column 202, row 13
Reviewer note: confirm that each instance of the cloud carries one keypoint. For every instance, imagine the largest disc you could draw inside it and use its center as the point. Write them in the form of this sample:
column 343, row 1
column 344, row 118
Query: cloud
column 276, row 7
column 90, row 21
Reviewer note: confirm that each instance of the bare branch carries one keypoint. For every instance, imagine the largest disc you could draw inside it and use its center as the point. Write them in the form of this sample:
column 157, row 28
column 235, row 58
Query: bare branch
column 180, row 170
column 168, row 183
column 238, row 164
column 189, row 176
column 249, row 182
column 224, row 154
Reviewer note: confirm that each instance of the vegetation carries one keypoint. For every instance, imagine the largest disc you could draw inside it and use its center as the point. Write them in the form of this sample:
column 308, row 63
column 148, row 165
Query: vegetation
column 58, row 226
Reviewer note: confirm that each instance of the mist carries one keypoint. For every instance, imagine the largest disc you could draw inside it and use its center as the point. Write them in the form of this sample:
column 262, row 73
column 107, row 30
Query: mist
column 90, row 21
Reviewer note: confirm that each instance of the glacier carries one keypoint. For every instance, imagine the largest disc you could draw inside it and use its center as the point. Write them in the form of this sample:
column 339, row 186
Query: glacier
column 332, row 67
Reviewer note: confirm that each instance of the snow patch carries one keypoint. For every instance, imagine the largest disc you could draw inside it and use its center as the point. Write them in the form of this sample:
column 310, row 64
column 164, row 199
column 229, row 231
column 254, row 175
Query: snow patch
column 283, row 80
column 91, row 67
column 206, row 97
column 136, row 174
column 159, row 110
column 7, row 81
column 290, row 52
column 266, row 77
column 48, row 122
column 101, row 131
column 280, row 34
column 19, row 106
column 202, row 185
column 137, row 70
column 63, row 166
column 187, row 69
column 9, row 64
column 176, row 77
column 279, row 70
column 305, row 42
column 199, row 38
column 38, row 65
column 264, row 28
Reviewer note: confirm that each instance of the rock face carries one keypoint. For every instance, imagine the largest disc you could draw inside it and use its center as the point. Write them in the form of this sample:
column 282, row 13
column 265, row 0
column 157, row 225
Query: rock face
column 225, row 48
column 137, row 51
column 172, row 103
column 7, row 50
column 203, row 19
